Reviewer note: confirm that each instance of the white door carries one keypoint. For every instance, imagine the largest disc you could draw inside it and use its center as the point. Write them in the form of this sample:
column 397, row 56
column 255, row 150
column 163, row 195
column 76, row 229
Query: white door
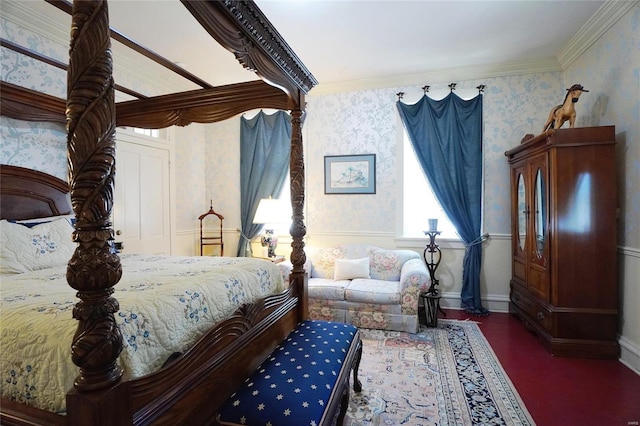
column 141, row 214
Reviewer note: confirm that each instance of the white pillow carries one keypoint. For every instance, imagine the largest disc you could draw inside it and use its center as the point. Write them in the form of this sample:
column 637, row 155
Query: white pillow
column 43, row 246
column 348, row 269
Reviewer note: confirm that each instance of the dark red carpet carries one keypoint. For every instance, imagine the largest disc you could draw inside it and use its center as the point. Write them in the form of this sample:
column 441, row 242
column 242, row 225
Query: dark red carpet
column 560, row 391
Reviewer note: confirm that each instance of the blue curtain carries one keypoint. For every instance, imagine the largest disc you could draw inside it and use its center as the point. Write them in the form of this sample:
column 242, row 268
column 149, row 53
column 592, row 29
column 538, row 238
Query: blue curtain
column 265, row 143
column 447, row 138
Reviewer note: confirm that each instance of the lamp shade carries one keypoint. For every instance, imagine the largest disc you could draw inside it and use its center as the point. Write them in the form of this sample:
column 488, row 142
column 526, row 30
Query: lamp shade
column 271, row 211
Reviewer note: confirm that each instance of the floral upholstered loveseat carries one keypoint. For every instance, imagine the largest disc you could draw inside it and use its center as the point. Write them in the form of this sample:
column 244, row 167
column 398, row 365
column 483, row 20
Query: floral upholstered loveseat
column 366, row 286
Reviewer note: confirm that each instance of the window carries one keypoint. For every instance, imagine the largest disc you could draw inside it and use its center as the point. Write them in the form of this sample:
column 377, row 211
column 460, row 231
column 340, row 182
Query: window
column 285, row 198
column 153, row 133
column 419, row 201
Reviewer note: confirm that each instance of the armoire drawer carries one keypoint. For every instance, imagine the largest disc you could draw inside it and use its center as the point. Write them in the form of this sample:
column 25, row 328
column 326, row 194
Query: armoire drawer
column 535, row 312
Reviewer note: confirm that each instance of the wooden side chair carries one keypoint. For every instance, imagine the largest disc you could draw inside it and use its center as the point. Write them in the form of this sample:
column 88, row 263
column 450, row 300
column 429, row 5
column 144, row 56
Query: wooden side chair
column 211, row 236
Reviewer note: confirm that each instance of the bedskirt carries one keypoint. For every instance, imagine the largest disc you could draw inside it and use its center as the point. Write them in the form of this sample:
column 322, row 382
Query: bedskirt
column 166, row 304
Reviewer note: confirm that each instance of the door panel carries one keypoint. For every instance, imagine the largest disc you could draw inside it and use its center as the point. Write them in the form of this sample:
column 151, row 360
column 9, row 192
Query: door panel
column 538, row 253
column 519, row 220
column 539, row 249
column 141, row 201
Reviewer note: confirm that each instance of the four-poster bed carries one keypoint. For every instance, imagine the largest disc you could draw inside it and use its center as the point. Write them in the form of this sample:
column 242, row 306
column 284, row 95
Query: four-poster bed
column 190, row 388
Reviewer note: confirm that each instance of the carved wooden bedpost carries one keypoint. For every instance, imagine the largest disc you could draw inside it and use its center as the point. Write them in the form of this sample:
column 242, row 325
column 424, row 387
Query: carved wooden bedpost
column 95, row 267
column 298, row 229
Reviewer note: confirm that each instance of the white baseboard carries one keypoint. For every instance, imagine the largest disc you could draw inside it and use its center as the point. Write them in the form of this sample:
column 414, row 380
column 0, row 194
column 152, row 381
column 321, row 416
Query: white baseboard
column 492, row 302
column 629, row 354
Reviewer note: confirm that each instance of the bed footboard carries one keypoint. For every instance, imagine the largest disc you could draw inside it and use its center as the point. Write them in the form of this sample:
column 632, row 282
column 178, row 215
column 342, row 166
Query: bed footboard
column 191, row 387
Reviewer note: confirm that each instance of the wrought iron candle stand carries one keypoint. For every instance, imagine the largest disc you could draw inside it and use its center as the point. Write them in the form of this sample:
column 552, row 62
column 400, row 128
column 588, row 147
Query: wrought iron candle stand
column 431, row 298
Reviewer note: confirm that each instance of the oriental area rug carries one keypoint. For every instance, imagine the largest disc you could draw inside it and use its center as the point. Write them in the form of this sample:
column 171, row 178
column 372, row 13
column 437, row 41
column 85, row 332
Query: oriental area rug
column 447, row 375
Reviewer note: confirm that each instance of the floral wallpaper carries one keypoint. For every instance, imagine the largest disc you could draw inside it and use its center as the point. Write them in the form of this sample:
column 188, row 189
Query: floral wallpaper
column 347, row 124
column 189, row 176
column 31, row 73
column 610, row 70
column 222, row 151
column 41, row 146
column 367, row 122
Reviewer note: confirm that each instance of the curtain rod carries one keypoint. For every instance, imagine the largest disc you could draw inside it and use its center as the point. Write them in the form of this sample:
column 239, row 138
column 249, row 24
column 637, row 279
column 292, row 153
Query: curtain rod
column 451, row 86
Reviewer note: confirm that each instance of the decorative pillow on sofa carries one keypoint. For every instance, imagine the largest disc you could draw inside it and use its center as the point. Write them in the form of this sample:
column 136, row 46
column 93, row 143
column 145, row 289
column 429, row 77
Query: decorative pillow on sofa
column 24, row 249
column 387, row 264
column 323, row 261
column 348, row 269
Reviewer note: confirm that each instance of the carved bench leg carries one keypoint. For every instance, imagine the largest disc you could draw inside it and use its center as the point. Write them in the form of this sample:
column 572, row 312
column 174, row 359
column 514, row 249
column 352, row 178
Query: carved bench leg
column 344, row 405
column 357, row 386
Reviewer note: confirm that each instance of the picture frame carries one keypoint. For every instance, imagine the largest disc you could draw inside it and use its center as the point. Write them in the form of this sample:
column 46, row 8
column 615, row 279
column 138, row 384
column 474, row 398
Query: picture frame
column 350, row 174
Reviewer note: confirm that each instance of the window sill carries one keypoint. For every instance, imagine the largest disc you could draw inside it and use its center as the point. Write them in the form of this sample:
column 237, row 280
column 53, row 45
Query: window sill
column 420, row 242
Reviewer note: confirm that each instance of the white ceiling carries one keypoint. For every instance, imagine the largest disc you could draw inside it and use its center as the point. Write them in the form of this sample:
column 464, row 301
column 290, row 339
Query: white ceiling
column 352, row 40
column 367, row 43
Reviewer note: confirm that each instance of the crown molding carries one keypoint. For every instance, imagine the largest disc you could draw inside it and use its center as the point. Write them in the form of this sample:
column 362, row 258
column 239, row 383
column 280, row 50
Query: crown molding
column 604, row 18
column 440, row 75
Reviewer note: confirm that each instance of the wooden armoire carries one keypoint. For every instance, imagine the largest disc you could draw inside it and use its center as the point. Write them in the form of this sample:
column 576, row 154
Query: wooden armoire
column 564, row 284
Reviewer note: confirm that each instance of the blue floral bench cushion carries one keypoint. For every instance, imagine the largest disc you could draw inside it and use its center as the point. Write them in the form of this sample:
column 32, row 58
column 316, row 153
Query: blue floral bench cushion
column 294, row 385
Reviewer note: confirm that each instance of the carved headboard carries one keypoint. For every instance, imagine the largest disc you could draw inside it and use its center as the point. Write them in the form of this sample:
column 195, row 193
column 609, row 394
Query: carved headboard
column 29, row 194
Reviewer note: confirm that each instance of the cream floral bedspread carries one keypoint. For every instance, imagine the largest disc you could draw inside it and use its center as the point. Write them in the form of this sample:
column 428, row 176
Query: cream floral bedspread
column 166, row 303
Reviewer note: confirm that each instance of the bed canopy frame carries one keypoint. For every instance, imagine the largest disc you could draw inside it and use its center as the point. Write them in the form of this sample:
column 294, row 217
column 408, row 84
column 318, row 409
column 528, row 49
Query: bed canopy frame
column 191, row 388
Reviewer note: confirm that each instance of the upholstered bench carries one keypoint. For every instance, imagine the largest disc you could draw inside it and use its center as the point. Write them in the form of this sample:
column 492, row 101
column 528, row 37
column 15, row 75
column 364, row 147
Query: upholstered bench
column 305, row 381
